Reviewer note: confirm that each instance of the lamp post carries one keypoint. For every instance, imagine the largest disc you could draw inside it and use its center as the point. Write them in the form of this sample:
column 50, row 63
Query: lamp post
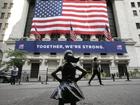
column 46, row 75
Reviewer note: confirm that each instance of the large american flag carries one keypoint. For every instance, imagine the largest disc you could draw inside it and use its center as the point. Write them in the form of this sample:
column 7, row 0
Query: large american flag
column 55, row 16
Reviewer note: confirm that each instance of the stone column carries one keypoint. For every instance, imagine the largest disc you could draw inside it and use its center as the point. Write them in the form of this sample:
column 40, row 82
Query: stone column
column 114, row 67
column 78, row 38
column 32, row 37
column 47, row 38
column 62, row 38
column 93, row 38
column 42, row 70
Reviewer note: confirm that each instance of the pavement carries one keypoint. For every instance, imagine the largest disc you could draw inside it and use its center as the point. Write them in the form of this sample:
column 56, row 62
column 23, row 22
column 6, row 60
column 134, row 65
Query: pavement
column 120, row 92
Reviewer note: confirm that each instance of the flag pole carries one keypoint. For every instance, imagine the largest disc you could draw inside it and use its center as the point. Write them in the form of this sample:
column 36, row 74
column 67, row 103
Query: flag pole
column 38, row 35
column 72, row 33
column 107, row 33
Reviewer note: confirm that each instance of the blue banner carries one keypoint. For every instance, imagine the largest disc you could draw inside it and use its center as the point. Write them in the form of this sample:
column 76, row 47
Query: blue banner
column 77, row 46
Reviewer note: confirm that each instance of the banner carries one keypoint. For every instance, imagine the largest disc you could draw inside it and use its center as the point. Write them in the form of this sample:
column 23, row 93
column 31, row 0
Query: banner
column 77, row 46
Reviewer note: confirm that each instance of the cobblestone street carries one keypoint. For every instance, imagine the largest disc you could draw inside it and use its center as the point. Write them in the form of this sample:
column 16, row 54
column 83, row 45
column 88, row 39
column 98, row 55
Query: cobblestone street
column 120, row 92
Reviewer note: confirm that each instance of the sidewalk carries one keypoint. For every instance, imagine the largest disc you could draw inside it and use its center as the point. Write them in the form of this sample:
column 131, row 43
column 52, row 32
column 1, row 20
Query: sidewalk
column 120, row 92
column 80, row 83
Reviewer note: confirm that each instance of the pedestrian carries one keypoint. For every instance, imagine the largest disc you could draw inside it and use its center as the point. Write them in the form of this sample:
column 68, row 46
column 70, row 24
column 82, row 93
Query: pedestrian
column 96, row 70
column 113, row 76
column 127, row 75
column 14, row 73
column 68, row 91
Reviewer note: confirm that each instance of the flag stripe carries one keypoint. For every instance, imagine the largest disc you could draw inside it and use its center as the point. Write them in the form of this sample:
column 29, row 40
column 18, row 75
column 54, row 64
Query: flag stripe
column 89, row 11
column 80, row 3
column 67, row 29
column 67, row 23
column 58, row 25
column 67, row 32
column 95, row 17
column 74, row 20
column 85, row 16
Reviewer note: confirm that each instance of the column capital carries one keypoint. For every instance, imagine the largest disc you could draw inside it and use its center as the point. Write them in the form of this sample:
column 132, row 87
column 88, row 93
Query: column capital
column 62, row 38
column 78, row 38
column 47, row 38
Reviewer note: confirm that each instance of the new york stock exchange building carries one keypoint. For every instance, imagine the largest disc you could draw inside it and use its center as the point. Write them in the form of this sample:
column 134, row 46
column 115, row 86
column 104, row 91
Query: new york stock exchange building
column 45, row 29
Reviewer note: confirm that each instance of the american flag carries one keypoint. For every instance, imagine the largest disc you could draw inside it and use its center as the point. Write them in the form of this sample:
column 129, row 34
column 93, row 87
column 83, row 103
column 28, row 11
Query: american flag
column 72, row 34
column 108, row 34
column 54, row 16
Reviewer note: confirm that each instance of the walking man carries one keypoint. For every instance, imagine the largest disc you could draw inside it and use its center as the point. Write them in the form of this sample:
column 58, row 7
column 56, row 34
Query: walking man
column 96, row 71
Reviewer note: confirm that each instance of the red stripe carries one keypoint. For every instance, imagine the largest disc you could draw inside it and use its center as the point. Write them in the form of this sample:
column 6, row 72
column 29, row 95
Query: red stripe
column 62, row 25
column 89, row 11
column 72, row 20
column 85, row 16
column 84, row 1
column 76, row 20
column 81, row 6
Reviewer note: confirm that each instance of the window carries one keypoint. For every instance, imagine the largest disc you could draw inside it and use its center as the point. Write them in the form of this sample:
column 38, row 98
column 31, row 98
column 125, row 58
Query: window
column 86, row 53
column 5, row 5
column 11, row 5
column 103, row 53
column 54, row 37
column 101, row 37
column 2, row 35
column 6, row 25
column 36, row 53
column 53, row 54
column 119, row 53
column 2, row 15
column 138, row 25
column 132, row 4
column 85, row 37
column 0, row 26
column 139, row 36
column 8, row 15
column 135, row 13
column 138, row 4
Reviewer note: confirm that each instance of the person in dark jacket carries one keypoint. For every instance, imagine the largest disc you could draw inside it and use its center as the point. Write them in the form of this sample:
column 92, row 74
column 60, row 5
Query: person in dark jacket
column 68, row 91
column 14, row 73
column 113, row 76
column 96, row 71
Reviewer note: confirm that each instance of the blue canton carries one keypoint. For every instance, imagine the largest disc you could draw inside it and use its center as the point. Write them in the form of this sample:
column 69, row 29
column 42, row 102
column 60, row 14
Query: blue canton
column 48, row 8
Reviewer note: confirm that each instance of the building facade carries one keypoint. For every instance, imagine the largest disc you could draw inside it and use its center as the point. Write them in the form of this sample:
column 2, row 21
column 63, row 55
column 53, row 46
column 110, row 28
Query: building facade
column 124, row 21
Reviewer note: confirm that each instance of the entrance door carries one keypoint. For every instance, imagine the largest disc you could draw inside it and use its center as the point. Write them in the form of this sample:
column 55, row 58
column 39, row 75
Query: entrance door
column 122, row 69
column 106, row 69
column 34, row 70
